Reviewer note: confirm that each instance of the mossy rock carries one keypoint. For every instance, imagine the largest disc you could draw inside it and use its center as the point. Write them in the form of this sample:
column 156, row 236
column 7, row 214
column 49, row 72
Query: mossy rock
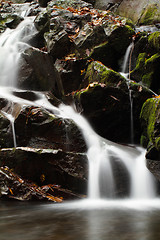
column 150, row 114
column 150, row 122
column 138, row 71
column 150, row 15
column 114, row 48
column 97, row 72
column 152, row 73
column 154, row 41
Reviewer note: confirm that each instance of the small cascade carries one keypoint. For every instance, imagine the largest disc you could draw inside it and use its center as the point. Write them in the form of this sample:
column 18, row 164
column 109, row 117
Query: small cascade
column 143, row 186
column 12, row 43
column 126, row 74
column 99, row 163
column 126, row 60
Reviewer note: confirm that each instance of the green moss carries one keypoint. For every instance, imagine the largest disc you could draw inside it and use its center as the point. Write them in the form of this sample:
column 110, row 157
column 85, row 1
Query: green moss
column 97, row 72
column 150, row 15
column 148, row 118
column 147, row 79
column 154, row 40
column 152, row 72
column 138, row 72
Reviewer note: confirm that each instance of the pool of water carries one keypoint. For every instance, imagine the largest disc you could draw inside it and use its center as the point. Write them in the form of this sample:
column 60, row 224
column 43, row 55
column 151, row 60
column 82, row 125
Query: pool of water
column 84, row 220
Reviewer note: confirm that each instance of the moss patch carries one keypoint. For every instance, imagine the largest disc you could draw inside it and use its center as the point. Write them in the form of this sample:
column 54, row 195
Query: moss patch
column 97, row 72
column 154, row 41
column 150, row 15
column 150, row 122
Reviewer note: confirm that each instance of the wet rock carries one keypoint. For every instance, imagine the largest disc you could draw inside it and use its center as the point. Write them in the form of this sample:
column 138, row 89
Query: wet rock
column 9, row 20
column 58, row 44
column 44, row 130
column 37, row 71
column 111, row 51
column 42, row 22
column 12, row 186
column 71, row 71
column 6, row 138
column 106, row 103
column 46, row 166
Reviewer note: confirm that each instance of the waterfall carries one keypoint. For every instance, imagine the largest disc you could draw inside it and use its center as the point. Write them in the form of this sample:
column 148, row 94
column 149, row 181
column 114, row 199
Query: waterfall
column 99, row 151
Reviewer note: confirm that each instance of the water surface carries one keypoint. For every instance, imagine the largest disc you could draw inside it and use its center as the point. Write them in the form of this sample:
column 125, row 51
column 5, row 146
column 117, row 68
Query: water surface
column 112, row 220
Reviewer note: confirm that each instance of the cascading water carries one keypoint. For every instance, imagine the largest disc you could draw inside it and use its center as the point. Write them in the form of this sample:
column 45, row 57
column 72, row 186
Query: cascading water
column 12, row 43
column 100, row 151
column 125, row 72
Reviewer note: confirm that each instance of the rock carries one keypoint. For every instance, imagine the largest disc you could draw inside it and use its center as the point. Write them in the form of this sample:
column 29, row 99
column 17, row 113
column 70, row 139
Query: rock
column 58, row 44
column 151, row 73
column 107, row 4
column 6, row 138
column 106, row 105
column 44, row 130
column 42, row 22
column 150, row 127
column 138, row 71
column 143, row 12
column 69, row 4
column 71, row 71
column 147, row 71
column 12, row 186
column 56, row 166
column 154, row 41
column 111, row 51
column 97, row 72
column 43, row 3
column 37, row 71
column 9, row 20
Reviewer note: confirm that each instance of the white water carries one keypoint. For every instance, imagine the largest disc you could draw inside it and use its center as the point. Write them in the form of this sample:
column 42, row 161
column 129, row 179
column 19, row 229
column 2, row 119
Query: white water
column 100, row 152
column 126, row 74
column 125, row 68
column 12, row 43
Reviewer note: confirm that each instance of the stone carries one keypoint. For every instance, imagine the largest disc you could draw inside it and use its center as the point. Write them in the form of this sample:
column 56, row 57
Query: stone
column 37, row 71
column 35, row 127
column 64, row 168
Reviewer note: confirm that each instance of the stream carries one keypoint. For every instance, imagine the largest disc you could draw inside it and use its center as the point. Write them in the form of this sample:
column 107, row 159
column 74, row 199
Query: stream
column 106, row 220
